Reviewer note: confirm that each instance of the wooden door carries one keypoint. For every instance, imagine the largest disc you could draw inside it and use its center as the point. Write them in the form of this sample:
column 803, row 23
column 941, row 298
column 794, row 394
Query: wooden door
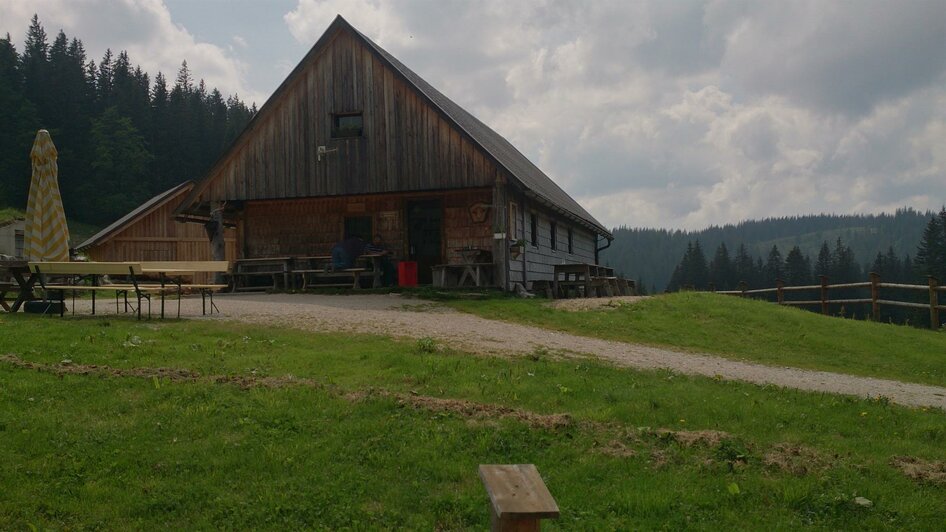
column 424, row 236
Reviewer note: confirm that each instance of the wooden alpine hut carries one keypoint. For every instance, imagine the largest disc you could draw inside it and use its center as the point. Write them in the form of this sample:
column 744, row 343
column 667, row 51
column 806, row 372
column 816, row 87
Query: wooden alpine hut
column 355, row 143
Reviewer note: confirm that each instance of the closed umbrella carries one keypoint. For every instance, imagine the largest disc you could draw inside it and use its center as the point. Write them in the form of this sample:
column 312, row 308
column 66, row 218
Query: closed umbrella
column 47, row 236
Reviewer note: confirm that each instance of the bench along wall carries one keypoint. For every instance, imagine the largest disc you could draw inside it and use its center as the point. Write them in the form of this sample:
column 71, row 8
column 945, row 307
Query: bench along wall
column 318, row 223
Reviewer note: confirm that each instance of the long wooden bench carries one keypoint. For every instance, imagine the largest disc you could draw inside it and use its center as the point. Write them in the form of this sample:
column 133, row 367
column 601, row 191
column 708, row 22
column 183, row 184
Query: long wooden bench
column 173, row 271
column 270, row 267
column 95, row 270
column 317, row 267
column 168, row 273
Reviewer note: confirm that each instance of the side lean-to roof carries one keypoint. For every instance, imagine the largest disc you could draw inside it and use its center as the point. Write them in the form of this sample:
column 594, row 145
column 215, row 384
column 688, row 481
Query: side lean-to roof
column 520, row 168
column 139, row 212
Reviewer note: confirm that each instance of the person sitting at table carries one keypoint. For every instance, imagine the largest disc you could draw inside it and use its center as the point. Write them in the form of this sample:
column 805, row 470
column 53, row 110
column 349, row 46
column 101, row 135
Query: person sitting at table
column 378, row 247
column 346, row 252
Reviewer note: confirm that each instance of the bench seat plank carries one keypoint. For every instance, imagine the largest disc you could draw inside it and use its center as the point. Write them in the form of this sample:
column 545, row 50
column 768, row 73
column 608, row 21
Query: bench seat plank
column 517, row 491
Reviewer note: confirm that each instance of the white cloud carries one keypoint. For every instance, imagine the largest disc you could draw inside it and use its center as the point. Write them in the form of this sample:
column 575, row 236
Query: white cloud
column 142, row 27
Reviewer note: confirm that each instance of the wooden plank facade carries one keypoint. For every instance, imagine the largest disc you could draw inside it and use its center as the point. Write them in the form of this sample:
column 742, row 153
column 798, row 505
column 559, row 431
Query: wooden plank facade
column 150, row 233
column 290, row 181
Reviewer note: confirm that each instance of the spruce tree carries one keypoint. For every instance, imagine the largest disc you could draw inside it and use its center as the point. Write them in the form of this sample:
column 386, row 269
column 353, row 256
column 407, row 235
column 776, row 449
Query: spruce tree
column 825, row 261
column 721, row 271
column 773, row 267
column 797, row 268
column 931, row 253
column 698, row 274
column 745, row 271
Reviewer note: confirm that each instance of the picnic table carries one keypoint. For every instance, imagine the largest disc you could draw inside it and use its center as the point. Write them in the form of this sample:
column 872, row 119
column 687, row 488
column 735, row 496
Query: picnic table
column 77, row 274
column 477, row 273
column 589, row 277
column 309, row 268
column 275, row 267
column 320, row 267
column 23, row 280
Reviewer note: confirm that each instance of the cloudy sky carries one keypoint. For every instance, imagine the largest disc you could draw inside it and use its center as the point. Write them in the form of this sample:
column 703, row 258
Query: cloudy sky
column 672, row 114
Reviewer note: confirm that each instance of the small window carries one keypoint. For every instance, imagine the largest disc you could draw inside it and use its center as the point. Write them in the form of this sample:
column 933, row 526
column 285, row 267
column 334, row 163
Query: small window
column 18, row 243
column 513, row 221
column 533, row 229
column 552, row 234
column 358, row 227
column 347, row 125
column 570, row 248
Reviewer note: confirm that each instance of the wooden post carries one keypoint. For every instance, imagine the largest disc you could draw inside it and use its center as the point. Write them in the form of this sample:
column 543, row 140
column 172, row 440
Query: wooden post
column 824, row 295
column 780, row 291
column 500, row 236
column 215, row 231
column 518, row 497
column 743, row 286
column 934, row 302
column 874, row 296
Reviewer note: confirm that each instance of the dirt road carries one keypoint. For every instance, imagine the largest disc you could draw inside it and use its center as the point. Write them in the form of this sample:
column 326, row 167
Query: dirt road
column 397, row 316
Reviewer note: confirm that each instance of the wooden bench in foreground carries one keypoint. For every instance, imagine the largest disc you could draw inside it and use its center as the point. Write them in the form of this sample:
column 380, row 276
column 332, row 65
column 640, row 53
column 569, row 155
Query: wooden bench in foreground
column 518, row 497
column 169, row 280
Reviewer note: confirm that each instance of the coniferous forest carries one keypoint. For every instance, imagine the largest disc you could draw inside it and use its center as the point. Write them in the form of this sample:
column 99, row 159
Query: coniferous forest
column 122, row 136
column 796, row 249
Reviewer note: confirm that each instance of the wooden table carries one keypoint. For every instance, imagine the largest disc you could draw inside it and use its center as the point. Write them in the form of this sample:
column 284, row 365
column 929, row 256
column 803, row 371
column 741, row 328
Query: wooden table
column 24, row 285
column 274, row 266
column 173, row 271
column 577, row 275
column 319, row 266
column 475, row 272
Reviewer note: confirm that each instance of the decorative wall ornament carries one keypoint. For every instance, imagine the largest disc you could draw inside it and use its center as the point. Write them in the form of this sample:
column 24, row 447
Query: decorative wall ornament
column 479, row 212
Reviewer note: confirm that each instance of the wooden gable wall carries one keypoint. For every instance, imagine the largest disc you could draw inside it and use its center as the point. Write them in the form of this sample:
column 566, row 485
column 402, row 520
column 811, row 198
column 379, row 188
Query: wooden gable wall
column 156, row 236
column 406, row 146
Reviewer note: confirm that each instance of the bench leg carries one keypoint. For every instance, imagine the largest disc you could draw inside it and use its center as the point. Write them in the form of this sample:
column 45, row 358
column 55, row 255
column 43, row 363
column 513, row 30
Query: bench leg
column 525, row 524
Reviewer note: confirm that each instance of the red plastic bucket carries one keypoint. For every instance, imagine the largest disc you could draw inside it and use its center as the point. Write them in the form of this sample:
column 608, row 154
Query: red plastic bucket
column 407, row 273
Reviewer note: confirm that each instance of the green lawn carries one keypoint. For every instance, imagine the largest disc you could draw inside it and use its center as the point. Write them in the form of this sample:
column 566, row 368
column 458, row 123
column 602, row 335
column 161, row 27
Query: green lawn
column 747, row 330
column 360, row 437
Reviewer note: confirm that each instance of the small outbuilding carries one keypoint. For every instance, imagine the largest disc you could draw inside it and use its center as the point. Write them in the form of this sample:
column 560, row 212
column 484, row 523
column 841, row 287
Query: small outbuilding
column 150, row 233
column 12, row 237
column 354, row 143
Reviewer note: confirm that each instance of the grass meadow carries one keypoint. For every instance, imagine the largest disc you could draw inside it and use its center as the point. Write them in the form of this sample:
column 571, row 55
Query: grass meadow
column 117, row 424
column 744, row 329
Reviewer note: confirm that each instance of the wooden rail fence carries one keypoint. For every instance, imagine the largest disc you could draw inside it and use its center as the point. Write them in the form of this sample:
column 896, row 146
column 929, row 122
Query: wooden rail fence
column 875, row 285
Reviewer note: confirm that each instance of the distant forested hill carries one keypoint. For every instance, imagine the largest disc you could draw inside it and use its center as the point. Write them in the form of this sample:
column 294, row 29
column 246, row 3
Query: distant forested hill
column 652, row 254
column 122, row 136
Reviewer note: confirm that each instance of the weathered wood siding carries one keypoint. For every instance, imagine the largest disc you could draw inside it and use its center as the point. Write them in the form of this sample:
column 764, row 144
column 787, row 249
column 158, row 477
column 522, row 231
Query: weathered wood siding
column 156, row 236
column 311, row 226
column 540, row 258
column 406, row 145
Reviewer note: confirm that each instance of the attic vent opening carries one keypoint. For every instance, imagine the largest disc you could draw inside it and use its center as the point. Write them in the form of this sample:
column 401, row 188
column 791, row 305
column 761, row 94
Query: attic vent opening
column 347, row 125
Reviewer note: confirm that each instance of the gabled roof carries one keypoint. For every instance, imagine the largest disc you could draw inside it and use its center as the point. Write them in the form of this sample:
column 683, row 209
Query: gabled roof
column 11, row 221
column 139, row 212
column 528, row 175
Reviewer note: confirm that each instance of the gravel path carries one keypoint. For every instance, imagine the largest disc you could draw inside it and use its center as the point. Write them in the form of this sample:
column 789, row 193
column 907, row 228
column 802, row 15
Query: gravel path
column 396, row 316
